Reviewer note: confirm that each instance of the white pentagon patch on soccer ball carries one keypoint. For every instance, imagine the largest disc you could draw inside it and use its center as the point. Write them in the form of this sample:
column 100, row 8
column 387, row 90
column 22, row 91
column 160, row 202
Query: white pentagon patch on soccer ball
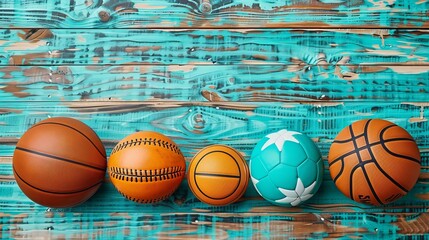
column 286, row 168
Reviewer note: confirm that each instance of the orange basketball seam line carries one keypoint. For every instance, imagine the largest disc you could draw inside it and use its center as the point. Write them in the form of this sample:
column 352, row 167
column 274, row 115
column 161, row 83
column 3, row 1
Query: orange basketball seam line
column 134, row 175
column 147, row 141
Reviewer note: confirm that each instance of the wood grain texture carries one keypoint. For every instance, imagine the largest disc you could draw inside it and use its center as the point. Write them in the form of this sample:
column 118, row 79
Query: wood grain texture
column 80, row 225
column 208, row 72
column 195, row 124
column 214, row 83
column 224, row 47
column 213, row 14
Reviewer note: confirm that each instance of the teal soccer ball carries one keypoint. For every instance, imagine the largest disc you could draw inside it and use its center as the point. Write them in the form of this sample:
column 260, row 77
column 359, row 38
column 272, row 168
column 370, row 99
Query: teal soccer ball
column 286, row 168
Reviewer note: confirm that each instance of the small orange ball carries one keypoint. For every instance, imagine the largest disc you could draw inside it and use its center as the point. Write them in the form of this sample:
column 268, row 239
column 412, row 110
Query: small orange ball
column 218, row 175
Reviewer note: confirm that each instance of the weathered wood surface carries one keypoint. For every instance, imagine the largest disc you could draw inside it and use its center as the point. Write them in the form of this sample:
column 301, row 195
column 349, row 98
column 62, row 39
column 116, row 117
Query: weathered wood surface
column 194, row 124
column 215, row 83
column 213, row 14
column 224, row 47
column 328, row 214
column 206, row 72
column 57, row 225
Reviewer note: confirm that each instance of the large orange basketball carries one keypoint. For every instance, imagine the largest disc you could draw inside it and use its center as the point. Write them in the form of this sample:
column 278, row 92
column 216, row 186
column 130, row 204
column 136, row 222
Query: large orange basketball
column 59, row 162
column 146, row 167
column 374, row 161
column 218, row 175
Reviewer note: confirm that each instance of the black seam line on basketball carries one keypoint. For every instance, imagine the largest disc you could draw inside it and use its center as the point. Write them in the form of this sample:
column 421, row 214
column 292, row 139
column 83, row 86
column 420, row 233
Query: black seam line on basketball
column 372, row 158
column 383, row 145
column 357, row 136
column 239, row 179
column 360, row 163
column 59, row 158
column 360, row 160
column 351, row 176
column 387, row 127
column 369, row 183
column 371, row 145
column 217, row 175
column 147, row 141
column 341, row 170
column 64, row 125
column 390, row 178
column 400, row 156
column 388, row 140
column 83, row 190
column 378, row 166
column 347, row 140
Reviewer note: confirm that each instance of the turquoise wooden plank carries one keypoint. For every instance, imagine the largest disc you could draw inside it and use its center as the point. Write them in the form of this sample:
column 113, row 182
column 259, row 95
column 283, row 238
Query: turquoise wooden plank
column 215, row 83
column 225, row 47
column 239, row 125
column 196, row 124
column 213, row 13
column 118, row 82
column 139, row 225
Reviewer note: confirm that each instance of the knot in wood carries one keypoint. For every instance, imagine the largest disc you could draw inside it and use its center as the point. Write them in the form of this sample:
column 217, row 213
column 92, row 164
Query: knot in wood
column 198, row 121
column 205, row 6
column 104, row 16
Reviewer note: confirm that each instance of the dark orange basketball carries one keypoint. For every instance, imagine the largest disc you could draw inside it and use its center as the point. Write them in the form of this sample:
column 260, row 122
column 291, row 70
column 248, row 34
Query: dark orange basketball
column 59, row 162
column 374, row 161
column 218, row 175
